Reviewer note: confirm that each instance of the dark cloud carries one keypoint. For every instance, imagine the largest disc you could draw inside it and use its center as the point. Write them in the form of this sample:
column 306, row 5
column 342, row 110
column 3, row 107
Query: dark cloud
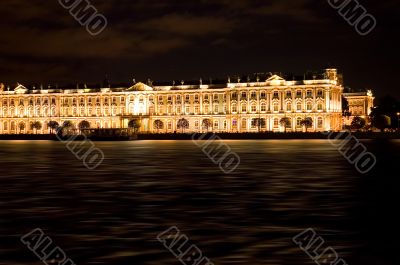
column 169, row 39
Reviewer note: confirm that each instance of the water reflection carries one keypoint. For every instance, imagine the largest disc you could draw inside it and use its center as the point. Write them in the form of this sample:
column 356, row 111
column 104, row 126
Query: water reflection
column 112, row 215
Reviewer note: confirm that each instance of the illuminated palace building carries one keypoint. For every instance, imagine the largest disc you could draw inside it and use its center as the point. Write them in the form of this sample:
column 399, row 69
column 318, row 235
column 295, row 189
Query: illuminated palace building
column 261, row 102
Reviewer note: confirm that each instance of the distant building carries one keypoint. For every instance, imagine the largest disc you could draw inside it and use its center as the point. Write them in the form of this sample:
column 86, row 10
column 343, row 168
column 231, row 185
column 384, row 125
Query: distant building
column 360, row 104
column 249, row 104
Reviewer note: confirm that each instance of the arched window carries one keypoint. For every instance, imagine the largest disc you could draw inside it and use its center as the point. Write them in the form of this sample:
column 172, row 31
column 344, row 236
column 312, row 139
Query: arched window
column 298, row 122
column 276, row 107
column 263, row 107
column 298, row 106
column 216, row 125
column 244, row 107
column 319, row 106
column 276, row 123
column 234, row 124
column 320, row 122
column 254, row 108
column 206, row 109
column 244, row 124
column 5, row 126
column 309, row 106
column 234, row 108
column 289, row 106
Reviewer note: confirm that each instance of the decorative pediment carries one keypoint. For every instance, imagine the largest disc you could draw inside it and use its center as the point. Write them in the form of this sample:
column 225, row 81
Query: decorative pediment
column 276, row 80
column 20, row 89
column 140, row 87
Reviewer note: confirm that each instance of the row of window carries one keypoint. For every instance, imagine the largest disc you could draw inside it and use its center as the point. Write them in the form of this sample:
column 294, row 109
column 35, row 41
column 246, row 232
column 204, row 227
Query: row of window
column 66, row 101
column 234, row 108
column 114, row 100
column 22, row 126
column 235, row 96
column 45, row 112
column 216, row 125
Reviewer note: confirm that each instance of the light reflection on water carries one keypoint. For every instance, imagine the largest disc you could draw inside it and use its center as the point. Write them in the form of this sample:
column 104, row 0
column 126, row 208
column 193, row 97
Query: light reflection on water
column 112, row 215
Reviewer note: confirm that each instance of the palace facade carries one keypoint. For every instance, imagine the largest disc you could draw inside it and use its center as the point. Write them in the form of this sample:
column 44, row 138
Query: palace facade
column 360, row 105
column 267, row 102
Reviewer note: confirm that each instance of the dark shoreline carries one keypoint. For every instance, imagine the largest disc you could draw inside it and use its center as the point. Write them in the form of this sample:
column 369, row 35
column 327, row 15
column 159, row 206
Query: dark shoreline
column 225, row 136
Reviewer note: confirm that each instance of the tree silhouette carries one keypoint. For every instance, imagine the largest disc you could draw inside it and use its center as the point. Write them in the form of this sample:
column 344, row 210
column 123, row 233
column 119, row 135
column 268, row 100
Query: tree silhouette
column 381, row 122
column 307, row 123
column 183, row 124
column 21, row 126
column 67, row 125
column 53, row 125
column 207, row 124
column 259, row 123
column 135, row 125
column 84, row 125
column 158, row 124
column 358, row 123
column 285, row 122
column 37, row 125
column 345, row 107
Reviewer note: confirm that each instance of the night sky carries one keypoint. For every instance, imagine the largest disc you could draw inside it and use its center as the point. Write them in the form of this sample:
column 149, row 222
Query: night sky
column 40, row 42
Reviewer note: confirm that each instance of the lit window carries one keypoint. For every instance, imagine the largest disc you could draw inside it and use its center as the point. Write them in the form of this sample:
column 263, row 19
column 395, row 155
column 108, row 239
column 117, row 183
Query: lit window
column 216, row 125
column 234, row 123
column 276, row 122
column 244, row 108
column 298, row 122
column 244, row 124
column 263, row 107
column 298, row 106
column 320, row 122
column 289, row 106
column 253, row 108
column 276, row 107
column 234, row 108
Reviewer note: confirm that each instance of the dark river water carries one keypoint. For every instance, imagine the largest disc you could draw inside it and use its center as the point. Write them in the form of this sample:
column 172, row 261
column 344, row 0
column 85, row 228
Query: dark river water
column 112, row 215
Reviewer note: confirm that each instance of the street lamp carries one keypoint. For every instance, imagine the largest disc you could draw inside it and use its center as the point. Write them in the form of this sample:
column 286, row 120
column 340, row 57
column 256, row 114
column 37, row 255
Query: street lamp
column 398, row 120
